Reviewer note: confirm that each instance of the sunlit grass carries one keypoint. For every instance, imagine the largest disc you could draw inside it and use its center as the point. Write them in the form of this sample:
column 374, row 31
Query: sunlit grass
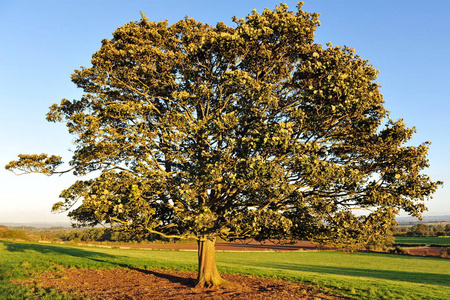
column 428, row 240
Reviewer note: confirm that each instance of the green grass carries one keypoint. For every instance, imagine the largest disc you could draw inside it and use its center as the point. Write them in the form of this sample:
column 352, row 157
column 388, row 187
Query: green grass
column 359, row 275
column 428, row 240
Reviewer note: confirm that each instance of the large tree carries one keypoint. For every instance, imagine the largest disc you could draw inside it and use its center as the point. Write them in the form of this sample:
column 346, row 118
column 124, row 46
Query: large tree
column 203, row 131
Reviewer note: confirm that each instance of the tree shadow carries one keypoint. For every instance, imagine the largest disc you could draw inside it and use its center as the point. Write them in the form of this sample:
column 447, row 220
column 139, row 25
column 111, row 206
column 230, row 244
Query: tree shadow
column 185, row 281
column 268, row 247
column 416, row 277
column 49, row 249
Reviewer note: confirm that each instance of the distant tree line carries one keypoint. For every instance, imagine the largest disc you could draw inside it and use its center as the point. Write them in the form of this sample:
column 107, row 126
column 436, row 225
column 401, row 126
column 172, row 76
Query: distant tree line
column 105, row 235
column 68, row 235
column 424, row 230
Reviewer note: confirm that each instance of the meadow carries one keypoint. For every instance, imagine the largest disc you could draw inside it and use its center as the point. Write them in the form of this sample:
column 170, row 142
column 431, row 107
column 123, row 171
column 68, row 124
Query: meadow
column 427, row 240
column 360, row 275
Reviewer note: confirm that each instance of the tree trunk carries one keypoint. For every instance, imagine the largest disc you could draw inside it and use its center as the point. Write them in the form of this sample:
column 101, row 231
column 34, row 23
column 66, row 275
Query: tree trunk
column 208, row 276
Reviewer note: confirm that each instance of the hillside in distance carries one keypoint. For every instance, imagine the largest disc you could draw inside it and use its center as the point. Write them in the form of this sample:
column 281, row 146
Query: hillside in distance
column 425, row 219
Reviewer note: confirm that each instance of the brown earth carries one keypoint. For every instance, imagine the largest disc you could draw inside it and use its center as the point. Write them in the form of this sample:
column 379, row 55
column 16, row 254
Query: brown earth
column 167, row 284
column 427, row 251
column 249, row 245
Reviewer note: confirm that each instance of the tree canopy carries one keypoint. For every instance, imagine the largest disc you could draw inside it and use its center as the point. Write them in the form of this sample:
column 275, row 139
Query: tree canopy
column 251, row 130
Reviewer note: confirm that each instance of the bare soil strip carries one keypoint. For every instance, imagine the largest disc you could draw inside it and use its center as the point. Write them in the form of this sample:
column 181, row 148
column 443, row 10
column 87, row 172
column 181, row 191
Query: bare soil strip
column 249, row 245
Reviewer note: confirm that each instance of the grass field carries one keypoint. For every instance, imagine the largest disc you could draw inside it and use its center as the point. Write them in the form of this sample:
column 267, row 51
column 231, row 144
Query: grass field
column 360, row 275
column 428, row 240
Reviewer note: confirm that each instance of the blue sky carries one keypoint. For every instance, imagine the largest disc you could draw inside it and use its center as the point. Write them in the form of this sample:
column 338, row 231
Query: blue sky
column 43, row 42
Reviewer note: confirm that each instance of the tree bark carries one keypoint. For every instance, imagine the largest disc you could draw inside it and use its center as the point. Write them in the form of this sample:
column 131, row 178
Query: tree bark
column 208, row 276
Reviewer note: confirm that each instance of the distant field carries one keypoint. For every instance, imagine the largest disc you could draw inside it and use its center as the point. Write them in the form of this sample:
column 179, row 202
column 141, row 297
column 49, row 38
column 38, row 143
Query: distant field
column 359, row 275
column 428, row 240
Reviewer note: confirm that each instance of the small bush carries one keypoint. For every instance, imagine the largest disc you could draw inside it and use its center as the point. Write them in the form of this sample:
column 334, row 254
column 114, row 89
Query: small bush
column 439, row 245
column 398, row 250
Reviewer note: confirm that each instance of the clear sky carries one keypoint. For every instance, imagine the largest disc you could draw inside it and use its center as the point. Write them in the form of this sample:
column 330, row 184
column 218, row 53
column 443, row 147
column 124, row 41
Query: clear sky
column 42, row 42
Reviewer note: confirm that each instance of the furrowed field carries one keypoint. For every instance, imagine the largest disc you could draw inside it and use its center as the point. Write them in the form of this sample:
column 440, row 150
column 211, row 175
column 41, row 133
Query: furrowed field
column 360, row 275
